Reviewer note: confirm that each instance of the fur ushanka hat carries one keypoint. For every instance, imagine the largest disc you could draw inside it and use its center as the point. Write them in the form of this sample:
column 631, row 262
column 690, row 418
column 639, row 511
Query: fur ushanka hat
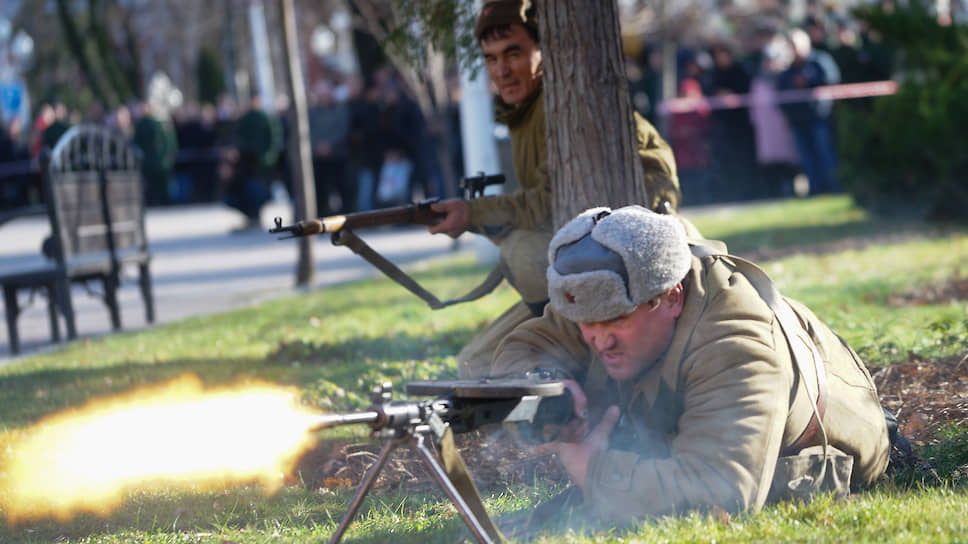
column 604, row 263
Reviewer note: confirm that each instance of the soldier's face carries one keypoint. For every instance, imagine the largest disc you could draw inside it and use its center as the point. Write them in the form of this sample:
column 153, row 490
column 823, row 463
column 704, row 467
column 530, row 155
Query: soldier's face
column 514, row 64
column 631, row 343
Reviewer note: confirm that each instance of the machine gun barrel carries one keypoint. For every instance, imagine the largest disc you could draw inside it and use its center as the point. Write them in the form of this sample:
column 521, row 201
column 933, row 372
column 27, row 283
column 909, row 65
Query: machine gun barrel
column 329, row 421
column 460, row 411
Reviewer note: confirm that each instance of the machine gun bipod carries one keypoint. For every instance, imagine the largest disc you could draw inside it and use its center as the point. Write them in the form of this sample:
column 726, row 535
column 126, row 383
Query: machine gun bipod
column 461, row 406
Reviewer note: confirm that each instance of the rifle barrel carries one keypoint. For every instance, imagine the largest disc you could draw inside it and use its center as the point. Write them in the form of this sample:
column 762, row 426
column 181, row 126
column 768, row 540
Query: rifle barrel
column 419, row 214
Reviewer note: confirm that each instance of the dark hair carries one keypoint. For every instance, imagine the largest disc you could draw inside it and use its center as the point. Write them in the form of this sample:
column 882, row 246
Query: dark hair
column 496, row 32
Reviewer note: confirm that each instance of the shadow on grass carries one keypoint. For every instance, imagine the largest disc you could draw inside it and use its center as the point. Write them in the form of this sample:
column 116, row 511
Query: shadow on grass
column 395, row 347
column 148, row 515
column 445, row 282
column 774, row 243
column 29, row 396
column 249, row 510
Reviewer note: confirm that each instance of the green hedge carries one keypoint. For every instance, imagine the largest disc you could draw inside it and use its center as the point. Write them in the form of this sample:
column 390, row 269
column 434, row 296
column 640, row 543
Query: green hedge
column 909, row 151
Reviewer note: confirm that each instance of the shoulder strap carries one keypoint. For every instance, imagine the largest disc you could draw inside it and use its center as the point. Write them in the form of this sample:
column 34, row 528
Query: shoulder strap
column 346, row 237
column 802, row 346
column 458, row 474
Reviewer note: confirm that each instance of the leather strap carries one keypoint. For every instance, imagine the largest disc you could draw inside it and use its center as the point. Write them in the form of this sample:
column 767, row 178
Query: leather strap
column 346, row 237
column 801, row 345
column 457, row 471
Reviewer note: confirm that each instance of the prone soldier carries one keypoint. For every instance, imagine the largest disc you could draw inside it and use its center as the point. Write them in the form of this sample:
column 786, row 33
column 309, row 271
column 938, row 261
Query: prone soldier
column 703, row 387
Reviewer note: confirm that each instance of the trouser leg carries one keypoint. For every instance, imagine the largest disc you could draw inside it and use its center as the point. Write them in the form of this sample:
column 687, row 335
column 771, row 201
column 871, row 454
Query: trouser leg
column 474, row 361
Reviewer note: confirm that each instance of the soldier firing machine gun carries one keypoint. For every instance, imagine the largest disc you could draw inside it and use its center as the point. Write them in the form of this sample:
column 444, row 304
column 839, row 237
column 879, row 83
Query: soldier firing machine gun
column 527, row 403
column 341, row 227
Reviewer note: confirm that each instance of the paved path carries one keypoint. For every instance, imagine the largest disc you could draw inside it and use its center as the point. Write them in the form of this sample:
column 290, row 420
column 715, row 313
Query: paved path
column 201, row 266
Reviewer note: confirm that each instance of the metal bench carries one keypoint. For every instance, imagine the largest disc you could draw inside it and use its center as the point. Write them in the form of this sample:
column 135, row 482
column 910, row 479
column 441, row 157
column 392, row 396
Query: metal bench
column 95, row 203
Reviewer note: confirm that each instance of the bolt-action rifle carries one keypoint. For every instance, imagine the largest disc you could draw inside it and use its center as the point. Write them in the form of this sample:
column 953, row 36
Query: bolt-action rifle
column 341, row 227
column 411, row 214
column 527, row 403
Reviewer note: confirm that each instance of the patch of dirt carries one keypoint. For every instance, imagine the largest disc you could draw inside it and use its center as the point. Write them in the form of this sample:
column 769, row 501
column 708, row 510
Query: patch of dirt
column 924, row 395
column 948, row 292
column 855, row 243
column 491, row 455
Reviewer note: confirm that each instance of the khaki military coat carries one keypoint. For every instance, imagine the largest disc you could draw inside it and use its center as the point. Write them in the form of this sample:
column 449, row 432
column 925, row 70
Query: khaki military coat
column 705, row 425
column 520, row 222
column 530, row 207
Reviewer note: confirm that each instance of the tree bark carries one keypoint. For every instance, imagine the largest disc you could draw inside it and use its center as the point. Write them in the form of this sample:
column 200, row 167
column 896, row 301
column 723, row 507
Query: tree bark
column 592, row 148
column 298, row 148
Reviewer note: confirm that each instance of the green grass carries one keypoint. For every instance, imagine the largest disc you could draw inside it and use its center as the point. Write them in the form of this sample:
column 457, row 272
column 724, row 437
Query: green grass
column 335, row 343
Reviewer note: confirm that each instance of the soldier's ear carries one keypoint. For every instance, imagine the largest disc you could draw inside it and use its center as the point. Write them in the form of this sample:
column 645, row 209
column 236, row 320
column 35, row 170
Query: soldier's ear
column 675, row 297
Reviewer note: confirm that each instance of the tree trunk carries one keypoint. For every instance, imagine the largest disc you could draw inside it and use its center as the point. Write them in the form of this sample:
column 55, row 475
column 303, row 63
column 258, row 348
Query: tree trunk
column 298, row 145
column 592, row 149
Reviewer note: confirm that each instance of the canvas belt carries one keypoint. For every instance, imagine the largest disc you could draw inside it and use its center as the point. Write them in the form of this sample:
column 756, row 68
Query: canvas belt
column 458, row 474
column 346, row 237
column 802, row 347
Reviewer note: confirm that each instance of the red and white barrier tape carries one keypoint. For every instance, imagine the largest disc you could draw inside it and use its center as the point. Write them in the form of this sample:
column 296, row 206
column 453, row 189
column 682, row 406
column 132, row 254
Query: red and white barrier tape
column 825, row 92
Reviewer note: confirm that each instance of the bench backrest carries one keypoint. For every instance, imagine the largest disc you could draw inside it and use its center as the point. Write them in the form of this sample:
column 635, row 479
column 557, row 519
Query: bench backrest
column 89, row 163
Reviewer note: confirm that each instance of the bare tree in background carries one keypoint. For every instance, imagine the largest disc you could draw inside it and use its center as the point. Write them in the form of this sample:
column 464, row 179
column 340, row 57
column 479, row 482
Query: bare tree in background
column 424, row 71
column 99, row 36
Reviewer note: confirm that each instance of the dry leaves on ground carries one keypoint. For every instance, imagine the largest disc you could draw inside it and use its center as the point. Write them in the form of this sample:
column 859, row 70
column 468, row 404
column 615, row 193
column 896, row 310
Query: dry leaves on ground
column 925, row 395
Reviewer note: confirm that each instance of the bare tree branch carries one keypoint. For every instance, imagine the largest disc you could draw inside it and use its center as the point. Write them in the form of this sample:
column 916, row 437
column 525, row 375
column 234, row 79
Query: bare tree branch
column 106, row 52
column 78, row 50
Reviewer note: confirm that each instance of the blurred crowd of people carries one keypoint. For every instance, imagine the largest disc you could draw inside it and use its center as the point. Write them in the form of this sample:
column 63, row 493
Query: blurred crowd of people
column 373, row 147
column 727, row 153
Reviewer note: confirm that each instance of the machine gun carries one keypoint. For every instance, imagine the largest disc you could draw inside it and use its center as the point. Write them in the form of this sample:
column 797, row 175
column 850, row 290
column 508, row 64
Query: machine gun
column 527, row 403
column 341, row 227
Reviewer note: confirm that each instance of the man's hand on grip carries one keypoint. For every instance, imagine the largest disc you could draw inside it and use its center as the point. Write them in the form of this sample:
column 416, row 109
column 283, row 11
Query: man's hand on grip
column 455, row 222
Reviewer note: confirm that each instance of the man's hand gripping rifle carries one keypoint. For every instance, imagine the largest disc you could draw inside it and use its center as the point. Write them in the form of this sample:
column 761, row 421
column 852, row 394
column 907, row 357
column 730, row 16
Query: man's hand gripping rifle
column 341, row 227
column 527, row 403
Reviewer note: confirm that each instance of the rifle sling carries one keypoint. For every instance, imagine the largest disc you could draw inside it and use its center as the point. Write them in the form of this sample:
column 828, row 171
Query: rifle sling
column 457, row 471
column 802, row 347
column 346, row 237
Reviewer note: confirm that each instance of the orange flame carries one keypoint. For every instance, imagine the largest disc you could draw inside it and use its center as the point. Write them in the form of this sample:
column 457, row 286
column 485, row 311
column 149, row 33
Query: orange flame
column 172, row 435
